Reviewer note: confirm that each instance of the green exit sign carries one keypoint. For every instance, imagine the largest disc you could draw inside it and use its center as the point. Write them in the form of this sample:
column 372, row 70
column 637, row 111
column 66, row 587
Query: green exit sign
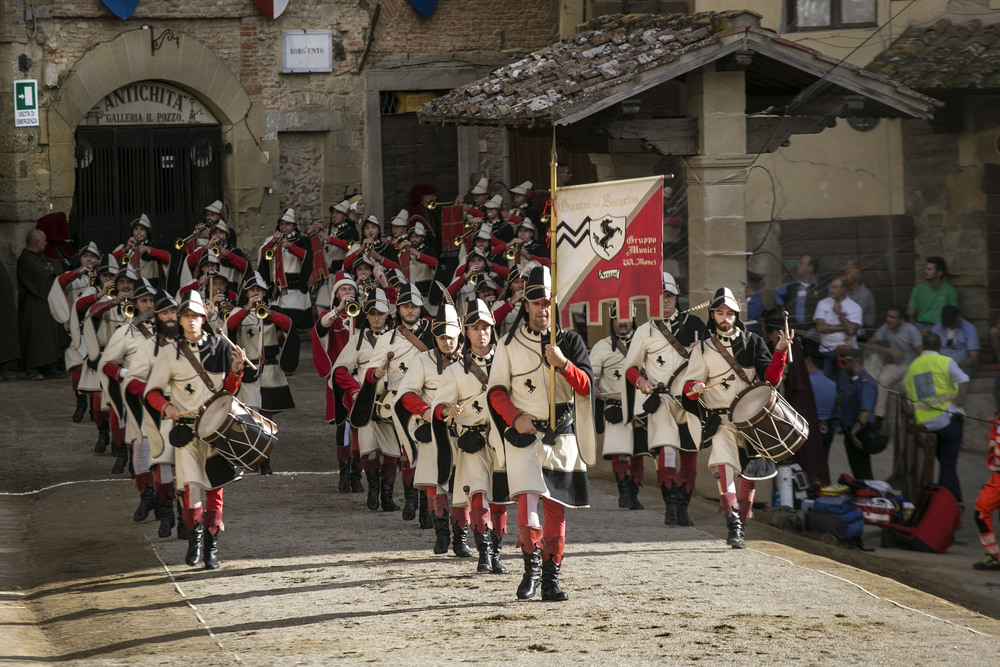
column 25, row 103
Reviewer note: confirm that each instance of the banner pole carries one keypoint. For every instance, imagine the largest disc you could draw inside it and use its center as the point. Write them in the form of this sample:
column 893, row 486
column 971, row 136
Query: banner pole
column 553, row 254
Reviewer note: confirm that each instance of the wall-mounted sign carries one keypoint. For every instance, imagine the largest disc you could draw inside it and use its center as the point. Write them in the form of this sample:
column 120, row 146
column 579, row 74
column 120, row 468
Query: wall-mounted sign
column 308, row 51
column 25, row 103
column 149, row 103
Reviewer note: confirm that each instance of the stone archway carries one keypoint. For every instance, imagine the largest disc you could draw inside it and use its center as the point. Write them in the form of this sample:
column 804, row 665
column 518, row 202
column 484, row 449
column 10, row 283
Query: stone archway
column 185, row 63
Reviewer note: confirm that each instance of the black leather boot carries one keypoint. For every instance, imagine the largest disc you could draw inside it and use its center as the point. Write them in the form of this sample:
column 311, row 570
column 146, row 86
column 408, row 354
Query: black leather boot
column 372, row 491
column 735, row 539
column 388, row 504
column 183, row 532
column 409, row 502
column 265, row 468
column 423, row 516
column 670, row 500
column 121, row 458
column 165, row 509
column 532, row 574
column 147, row 503
column 195, row 538
column 103, row 437
column 622, row 493
column 82, row 400
column 683, row 498
column 458, row 544
column 356, row 479
column 441, row 533
column 484, row 547
column 550, row 583
column 344, row 483
column 212, row 550
column 495, row 542
column 633, row 494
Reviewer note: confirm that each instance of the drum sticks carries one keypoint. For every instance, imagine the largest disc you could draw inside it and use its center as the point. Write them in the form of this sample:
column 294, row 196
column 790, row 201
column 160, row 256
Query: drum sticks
column 233, row 345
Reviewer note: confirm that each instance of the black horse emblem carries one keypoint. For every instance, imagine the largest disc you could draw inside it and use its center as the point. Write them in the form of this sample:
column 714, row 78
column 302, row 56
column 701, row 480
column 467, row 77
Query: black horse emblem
column 617, row 375
column 530, row 387
column 189, row 389
column 478, row 408
column 660, row 361
column 725, row 385
column 251, row 333
column 607, row 233
column 403, row 368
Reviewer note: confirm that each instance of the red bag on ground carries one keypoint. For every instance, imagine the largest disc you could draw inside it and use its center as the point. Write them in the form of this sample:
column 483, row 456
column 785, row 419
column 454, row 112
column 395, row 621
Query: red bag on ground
column 933, row 523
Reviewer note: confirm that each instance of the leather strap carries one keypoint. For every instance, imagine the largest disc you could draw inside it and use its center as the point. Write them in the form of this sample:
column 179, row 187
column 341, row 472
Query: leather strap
column 619, row 345
column 730, row 360
column 185, row 349
column 474, row 368
column 416, row 342
column 676, row 344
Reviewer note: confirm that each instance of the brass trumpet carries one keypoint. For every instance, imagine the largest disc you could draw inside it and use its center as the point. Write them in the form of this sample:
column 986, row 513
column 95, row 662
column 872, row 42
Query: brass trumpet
column 352, row 308
column 512, row 252
column 128, row 309
column 261, row 311
column 225, row 309
column 268, row 254
column 125, row 260
column 112, row 293
column 431, row 205
column 457, row 242
column 179, row 243
column 368, row 289
column 475, row 277
column 215, row 250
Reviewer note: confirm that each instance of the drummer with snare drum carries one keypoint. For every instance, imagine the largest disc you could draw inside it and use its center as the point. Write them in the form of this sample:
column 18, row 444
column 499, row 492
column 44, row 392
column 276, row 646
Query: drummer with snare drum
column 186, row 374
column 721, row 366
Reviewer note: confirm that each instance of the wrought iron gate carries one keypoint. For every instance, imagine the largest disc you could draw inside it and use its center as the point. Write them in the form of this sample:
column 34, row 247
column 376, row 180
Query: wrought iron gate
column 170, row 174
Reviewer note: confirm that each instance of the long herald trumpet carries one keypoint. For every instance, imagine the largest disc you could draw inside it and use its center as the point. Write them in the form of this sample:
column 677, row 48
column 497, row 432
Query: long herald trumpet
column 179, row 243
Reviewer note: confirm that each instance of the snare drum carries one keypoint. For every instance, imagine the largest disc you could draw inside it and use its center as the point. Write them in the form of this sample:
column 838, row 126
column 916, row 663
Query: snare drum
column 237, row 432
column 768, row 422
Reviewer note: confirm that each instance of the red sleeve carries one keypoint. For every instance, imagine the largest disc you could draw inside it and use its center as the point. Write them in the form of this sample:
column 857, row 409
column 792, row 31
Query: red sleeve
column 349, row 261
column 338, row 242
column 544, row 261
column 161, row 256
column 136, row 387
column 232, row 383
column 502, row 311
column 687, row 390
column 156, row 400
column 391, row 294
column 117, row 254
column 102, row 308
column 370, row 376
column 500, row 400
column 297, row 250
column 633, row 375
column 413, row 403
column 456, row 286
column 498, row 246
column 187, row 288
column 428, row 260
column 439, row 412
column 501, row 270
column 85, row 302
column 283, row 322
column 236, row 319
column 345, row 380
column 577, row 379
column 389, row 264
column 66, row 278
column 460, row 270
column 237, row 262
column 112, row 370
column 194, row 257
column 776, row 368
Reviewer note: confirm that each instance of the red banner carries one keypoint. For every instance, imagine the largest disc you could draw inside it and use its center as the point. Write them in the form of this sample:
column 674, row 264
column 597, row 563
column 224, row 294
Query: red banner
column 609, row 242
column 452, row 225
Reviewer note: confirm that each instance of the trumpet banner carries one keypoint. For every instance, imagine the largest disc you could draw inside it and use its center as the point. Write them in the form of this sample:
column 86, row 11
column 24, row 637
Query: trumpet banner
column 452, row 225
column 609, row 245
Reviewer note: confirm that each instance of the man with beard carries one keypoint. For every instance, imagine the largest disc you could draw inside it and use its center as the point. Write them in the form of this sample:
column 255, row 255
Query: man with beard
column 154, row 477
column 185, row 375
column 480, row 475
column 393, row 357
column 656, row 359
column 545, row 460
column 435, row 465
column 720, row 367
column 624, row 439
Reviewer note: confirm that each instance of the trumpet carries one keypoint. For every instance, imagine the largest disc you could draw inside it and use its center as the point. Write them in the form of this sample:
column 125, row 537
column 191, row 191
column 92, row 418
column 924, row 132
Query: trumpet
column 128, row 308
column 215, row 250
column 368, row 289
column 261, row 311
column 352, row 308
column 225, row 309
column 475, row 277
column 125, row 260
column 512, row 252
column 179, row 243
column 112, row 293
column 431, row 205
column 457, row 241
column 268, row 254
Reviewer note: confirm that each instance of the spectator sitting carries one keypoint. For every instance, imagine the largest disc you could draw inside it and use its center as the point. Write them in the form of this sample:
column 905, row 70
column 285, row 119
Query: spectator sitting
column 899, row 343
column 808, row 293
column 929, row 297
column 860, row 295
column 959, row 340
column 837, row 321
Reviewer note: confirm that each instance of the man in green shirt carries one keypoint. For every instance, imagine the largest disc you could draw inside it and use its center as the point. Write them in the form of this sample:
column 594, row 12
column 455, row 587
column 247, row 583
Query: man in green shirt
column 929, row 297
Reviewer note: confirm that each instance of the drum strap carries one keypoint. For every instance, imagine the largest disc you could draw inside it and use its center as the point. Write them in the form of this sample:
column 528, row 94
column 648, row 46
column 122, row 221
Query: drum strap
column 730, row 360
column 416, row 342
column 195, row 364
column 681, row 350
column 474, row 368
column 620, row 346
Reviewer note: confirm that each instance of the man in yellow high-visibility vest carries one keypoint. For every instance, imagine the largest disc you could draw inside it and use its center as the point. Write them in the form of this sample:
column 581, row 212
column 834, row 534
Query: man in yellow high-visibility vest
column 937, row 387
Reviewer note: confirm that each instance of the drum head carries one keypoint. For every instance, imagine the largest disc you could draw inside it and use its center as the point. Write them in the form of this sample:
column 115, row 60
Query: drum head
column 750, row 403
column 215, row 416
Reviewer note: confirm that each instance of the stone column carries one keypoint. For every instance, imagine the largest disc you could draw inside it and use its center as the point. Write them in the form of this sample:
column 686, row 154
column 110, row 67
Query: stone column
column 716, row 185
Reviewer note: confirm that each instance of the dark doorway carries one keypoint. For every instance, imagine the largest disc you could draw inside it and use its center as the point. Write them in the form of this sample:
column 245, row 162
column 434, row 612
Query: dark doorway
column 170, row 174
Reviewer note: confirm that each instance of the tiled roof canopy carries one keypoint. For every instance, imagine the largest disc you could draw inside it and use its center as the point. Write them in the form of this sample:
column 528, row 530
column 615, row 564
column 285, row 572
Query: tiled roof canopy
column 614, row 57
column 944, row 56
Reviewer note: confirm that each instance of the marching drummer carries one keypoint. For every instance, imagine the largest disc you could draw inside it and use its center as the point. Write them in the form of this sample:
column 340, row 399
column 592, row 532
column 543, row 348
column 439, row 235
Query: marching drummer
column 721, row 366
column 186, row 374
